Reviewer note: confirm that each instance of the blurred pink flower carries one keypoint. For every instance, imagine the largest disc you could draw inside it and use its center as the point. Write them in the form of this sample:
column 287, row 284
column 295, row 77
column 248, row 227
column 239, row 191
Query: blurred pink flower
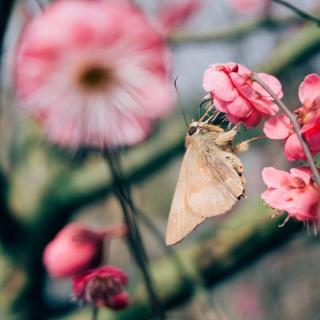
column 93, row 73
column 77, row 248
column 249, row 5
column 308, row 116
column 234, row 93
column 175, row 13
column 102, row 287
column 246, row 300
column 293, row 192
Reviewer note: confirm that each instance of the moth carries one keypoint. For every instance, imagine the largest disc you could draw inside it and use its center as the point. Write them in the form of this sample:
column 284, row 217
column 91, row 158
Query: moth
column 210, row 181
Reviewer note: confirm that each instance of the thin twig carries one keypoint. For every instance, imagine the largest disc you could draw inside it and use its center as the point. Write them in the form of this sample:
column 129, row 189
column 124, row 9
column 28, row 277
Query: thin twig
column 231, row 32
column 299, row 12
column 123, row 194
column 295, row 125
column 94, row 313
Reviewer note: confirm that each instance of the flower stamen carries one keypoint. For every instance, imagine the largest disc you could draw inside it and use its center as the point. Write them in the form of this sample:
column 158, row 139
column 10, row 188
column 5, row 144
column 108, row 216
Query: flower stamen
column 95, row 78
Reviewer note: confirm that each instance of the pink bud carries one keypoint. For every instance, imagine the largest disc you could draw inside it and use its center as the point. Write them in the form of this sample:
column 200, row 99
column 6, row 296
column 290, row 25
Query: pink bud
column 102, row 287
column 77, row 248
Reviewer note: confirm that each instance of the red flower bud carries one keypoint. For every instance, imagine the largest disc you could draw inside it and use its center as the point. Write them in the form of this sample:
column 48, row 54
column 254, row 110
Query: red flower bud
column 102, row 287
column 74, row 249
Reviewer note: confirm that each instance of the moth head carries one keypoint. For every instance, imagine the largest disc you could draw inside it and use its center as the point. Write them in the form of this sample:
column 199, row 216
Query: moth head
column 202, row 127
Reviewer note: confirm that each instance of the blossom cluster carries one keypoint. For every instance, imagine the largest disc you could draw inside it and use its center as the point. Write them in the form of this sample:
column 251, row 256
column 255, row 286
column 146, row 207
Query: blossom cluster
column 76, row 252
column 234, row 92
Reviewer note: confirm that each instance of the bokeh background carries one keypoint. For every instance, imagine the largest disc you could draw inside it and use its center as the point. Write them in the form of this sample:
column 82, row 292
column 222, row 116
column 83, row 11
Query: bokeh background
column 240, row 266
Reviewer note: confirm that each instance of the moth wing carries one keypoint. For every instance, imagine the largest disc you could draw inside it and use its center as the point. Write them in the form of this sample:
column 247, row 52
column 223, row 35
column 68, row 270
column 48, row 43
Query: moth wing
column 181, row 219
column 207, row 186
column 213, row 185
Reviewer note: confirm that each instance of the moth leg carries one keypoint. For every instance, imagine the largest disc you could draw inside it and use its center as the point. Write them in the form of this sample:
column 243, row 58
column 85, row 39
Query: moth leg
column 244, row 145
column 238, row 167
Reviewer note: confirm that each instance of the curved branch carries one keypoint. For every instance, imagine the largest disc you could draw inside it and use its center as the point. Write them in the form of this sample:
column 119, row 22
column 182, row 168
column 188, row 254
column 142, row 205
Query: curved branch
column 299, row 12
column 232, row 32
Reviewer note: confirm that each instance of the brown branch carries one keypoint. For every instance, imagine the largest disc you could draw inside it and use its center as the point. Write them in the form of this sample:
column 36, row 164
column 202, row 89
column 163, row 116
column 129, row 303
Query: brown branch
column 255, row 77
column 299, row 12
column 231, row 32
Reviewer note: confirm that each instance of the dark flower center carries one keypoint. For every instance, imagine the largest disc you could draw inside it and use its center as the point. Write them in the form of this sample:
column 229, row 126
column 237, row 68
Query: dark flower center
column 95, row 78
column 100, row 290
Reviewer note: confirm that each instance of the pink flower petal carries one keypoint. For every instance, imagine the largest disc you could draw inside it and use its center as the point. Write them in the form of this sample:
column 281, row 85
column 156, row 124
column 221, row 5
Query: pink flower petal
column 264, row 106
column 272, row 82
column 303, row 173
column 241, row 84
column 252, row 120
column 220, row 105
column 274, row 178
column 277, row 199
column 313, row 139
column 293, row 149
column 239, row 108
column 305, row 204
column 278, row 127
column 309, row 88
column 219, row 84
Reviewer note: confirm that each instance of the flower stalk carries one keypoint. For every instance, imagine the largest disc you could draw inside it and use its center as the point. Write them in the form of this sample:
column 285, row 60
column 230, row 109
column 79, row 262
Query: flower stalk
column 94, row 313
column 123, row 195
column 255, row 77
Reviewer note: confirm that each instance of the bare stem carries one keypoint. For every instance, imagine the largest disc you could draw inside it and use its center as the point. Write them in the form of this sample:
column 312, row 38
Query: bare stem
column 295, row 125
column 299, row 12
column 123, row 195
column 94, row 315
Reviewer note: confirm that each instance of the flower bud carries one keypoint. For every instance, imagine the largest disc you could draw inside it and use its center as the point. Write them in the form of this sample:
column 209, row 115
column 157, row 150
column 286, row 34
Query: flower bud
column 77, row 248
column 102, row 287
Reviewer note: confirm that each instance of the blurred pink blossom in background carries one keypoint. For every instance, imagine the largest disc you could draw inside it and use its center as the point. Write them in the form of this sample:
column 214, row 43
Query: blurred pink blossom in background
column 249, row 5
column 93, row 73
column 102, row 287
column 293, row 192
column 173, row 14
column 246, row 301
column 279, row 126
column 77, row 248
column 234, row 93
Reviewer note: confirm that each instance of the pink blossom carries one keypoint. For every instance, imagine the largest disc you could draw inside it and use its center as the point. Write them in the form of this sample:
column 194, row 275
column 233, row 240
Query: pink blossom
column 249, row 5
column 294, row 192
column 176, row 13
column 93, row 73
column 77, row 248
column 308, row 116
column 102, row 287
column 234, row 93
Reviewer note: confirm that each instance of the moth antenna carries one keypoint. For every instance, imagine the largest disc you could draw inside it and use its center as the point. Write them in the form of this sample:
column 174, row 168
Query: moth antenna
column 244, row 145
column 179, row 101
